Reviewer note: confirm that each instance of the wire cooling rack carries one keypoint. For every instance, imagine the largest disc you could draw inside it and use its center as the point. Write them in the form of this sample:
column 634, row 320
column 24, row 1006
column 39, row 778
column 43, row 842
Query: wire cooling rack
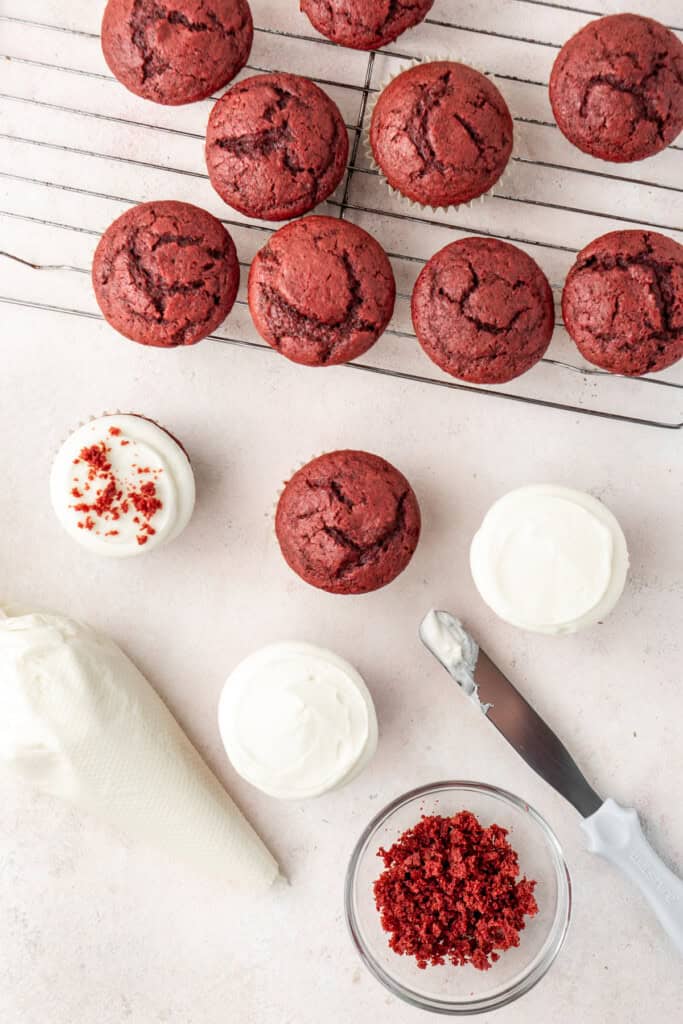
column 76, row 150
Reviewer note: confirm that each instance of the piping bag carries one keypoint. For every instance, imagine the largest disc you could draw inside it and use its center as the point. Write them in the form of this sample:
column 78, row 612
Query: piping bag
column 612, row 831
column 79, row 721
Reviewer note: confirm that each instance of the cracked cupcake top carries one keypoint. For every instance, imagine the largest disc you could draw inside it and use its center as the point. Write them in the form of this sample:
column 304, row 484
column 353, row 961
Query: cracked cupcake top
column 362, row 25
column 441, row 133
column 276, row 146
column 165, row 274
column 321, row 291
column 348, row 522
column 483, row 310
column 616, row 88
column 176, row 52
column 623, row 302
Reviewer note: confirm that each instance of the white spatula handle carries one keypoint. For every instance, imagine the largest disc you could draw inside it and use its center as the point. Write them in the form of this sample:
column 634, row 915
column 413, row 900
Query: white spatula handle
column 614, row 832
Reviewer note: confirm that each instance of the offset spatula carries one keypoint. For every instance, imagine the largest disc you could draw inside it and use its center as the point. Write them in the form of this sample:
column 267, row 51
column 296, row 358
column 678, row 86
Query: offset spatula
column 614, row 832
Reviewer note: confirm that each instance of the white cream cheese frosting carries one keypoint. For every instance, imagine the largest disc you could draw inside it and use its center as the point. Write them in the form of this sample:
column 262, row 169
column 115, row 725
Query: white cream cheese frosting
column 549, row 559
column 121, row 485
column 456, row 649
column 79, row 721
column 297, row 720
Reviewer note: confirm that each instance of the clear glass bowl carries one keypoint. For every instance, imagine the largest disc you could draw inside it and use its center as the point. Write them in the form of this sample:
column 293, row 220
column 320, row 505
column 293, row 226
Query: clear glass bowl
column 459, row 991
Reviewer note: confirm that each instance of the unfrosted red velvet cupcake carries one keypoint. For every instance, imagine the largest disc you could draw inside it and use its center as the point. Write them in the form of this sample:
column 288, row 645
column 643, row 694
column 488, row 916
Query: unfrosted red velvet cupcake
column 276, row 146
column 177, row 53
column 623, row 302
column 483, row 310
column 365, row 24
column 441, row 133
column 348, row 522
column 165, row 274
column 616, row 88
column 321, row 291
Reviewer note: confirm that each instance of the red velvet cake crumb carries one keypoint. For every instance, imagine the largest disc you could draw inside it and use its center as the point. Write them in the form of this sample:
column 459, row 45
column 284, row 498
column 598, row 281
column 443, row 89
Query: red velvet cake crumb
column 107, row 498
column 450, row 892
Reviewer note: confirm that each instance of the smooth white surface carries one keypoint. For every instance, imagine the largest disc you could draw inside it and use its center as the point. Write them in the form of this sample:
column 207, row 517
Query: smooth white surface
column 549, row 559
column 78, row 721
column 140, row 453
column 297, row 720
column 94, row 931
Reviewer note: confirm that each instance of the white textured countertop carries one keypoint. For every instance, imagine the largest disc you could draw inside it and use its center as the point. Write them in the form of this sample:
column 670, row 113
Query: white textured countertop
column 96, row 930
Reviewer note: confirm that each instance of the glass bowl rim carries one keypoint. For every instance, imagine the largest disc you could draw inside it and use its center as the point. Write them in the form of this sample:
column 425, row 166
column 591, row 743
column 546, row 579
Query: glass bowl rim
column 558, row 931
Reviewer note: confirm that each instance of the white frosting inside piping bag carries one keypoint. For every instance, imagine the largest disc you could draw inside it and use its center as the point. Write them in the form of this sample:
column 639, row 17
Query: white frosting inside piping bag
column 549, row 559
column 79, row 721
column 297, row 720
column 450, row 643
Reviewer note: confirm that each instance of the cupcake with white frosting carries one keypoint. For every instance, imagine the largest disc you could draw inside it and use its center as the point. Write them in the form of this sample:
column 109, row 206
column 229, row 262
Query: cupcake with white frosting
column 549, row 559
column 297, row 720
column 121, row 485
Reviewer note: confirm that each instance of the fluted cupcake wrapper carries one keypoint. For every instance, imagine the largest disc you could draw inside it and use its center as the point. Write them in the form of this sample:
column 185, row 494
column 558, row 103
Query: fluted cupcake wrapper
column 411, row 205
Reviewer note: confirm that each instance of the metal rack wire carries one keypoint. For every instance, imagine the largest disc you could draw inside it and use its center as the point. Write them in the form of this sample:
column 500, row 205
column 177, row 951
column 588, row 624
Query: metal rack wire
column 344, row 203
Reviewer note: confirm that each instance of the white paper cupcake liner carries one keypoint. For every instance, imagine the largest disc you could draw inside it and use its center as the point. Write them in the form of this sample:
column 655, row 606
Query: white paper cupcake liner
column 410, row 205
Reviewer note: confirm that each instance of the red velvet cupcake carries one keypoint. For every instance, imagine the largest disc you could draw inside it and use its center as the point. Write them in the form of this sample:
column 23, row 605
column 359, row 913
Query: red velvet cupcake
column 165, row 274
column 616, row 88
column 623, row 302
column 365, row 26
column 441, row 134
column 321, row 291
column 179, row 53
column 276, row 146
column 348, row 522
column 483, row 310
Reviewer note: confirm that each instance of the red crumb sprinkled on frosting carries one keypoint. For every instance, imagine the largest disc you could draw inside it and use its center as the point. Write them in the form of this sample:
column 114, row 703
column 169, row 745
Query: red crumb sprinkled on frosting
column 145, row 500
column 106, row 502
column 97, row 458
column 108, row 498
column 450, row 892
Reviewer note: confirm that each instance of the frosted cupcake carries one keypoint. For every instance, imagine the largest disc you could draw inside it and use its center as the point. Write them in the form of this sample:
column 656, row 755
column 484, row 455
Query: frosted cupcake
column 121, row 485
column 297, row 721
column 549, row 559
